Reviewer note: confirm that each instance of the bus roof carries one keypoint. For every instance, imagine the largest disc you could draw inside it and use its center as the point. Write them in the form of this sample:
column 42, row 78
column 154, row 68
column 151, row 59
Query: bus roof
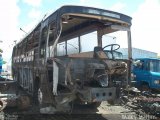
column 104, row 17
column 80, row 10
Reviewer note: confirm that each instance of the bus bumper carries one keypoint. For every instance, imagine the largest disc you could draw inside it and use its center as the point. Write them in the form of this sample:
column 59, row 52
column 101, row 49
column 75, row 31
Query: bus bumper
column 97, row 94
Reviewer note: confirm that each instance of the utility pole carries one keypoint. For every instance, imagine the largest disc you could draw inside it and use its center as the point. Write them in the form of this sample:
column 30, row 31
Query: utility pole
column 15, row 42
column 23, row 30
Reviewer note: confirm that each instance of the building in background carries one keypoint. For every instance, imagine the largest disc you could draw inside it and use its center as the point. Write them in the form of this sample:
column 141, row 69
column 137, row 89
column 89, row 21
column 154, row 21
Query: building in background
column 138, row 53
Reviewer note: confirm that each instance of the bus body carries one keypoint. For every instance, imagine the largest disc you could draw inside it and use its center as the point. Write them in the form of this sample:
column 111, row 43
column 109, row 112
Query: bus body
column 55, row 76
column 147, row 73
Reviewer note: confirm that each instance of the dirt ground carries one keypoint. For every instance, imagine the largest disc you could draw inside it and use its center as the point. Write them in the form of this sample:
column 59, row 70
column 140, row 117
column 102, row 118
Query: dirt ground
column 104, row 112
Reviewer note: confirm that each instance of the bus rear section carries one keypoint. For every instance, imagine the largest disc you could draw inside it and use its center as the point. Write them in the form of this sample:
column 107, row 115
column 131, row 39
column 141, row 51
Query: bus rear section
column 57, row 70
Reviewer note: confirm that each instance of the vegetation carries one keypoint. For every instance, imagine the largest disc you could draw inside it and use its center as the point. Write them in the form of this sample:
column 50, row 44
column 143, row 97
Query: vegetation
column 1, row 51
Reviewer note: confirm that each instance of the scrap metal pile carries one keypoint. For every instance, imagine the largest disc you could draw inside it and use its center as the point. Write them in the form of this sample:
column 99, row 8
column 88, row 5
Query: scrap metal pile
column 147, row 102
column 142, row 102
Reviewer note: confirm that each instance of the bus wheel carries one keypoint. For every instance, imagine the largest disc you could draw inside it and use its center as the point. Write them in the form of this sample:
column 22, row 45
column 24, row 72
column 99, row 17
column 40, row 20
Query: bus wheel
column 40, row 95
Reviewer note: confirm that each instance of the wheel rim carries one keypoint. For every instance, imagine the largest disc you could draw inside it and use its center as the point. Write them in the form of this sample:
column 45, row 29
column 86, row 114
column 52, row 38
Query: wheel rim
column 40, row 95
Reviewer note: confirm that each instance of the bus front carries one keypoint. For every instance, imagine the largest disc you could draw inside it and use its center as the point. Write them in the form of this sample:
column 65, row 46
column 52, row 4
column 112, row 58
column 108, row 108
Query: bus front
column 73, row 58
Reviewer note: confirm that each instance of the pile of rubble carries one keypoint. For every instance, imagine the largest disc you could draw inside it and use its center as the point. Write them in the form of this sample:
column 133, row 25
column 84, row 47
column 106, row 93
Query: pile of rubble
column 142, row 101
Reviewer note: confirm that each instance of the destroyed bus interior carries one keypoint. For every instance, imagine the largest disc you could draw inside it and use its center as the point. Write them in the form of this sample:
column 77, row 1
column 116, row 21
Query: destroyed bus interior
column 54, row 67
column 113, row 53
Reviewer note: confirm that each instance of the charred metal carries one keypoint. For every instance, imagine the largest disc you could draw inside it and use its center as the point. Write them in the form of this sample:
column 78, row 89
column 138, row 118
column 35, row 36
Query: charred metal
column 55, row 80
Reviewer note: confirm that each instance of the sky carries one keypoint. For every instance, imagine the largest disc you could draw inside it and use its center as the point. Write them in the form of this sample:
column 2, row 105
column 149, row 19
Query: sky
column 25, row 14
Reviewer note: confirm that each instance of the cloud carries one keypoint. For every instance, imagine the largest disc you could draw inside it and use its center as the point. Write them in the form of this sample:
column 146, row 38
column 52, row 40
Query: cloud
column 29, row 27
column 8, row 25
column 118, row 6
column 92, row 3
column 34, row 3
column 146, row 27
column 84, row 1
column 34, row 14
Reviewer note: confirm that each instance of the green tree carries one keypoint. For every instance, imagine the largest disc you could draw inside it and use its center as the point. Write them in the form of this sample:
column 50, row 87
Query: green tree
column 4, row 62
column 1, row 51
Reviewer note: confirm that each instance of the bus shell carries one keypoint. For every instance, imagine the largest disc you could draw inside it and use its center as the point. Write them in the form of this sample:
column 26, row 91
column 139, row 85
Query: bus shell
column 55, row 76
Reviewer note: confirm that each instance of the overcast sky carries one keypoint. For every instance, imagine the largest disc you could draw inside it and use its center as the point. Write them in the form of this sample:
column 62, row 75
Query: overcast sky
column 27, row 13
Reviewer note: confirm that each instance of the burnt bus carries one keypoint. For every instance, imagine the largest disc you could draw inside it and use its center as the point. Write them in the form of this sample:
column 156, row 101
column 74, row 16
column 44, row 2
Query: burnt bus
column 51, row 64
